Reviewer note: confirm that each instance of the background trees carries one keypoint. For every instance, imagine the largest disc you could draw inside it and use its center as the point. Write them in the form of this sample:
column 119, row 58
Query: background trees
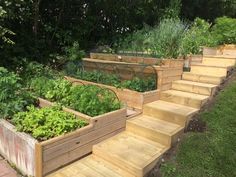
column 44, row 27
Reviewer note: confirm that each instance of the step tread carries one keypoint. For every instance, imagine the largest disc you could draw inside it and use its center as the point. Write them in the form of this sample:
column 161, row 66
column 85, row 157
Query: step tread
column 172, row 107
column 91, row 166
column 131, row 150
column 212, row 66
column 156, row 124
column 186, row 94
column 220, row 56
column 195, row 83
column 201, row 75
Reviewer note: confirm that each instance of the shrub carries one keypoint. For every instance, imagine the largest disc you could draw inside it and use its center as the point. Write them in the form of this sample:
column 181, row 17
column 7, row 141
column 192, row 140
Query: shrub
column 166, row 38
column 13, row 97
column 224, row 30
column 163, row 40
column 197, row 36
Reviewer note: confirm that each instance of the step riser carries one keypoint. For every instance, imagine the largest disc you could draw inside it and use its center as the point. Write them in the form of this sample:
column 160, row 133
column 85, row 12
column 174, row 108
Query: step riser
column 203, row 79
column 154, row 135
column 149, row 134
column 193, row 89
column 182, row 100
column 219, row 62
column 212, row 71
column 165, row 115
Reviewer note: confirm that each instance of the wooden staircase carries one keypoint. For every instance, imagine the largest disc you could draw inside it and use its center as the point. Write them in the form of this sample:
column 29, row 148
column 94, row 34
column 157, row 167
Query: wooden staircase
column 134, row 152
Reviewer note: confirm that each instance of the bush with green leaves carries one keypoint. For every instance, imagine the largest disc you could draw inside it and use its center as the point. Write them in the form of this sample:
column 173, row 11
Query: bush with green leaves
column 224, row 30
column 163, row 40
column 46, row 123
column 90, row 100
column 13, row 97
column 196, row 37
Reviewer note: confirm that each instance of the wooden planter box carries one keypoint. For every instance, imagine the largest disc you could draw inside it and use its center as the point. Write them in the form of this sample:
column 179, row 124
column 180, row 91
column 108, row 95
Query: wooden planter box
column 35, row 158
column 131, row 98
column 171, row 71
column 229, row 50
column 137, row 59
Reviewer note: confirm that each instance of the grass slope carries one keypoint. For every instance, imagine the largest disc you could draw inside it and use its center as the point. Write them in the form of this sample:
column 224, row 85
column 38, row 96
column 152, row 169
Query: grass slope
column 212, row 153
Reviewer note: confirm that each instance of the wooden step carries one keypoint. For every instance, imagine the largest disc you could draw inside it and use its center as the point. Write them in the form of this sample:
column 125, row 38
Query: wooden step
column 194, row 87
column 202, row 78
column 184, row 98
column 90, row 166
column 218, row 61
column 221, row 56
column 170, row 112
column 131, row 153
column 202, row 69
column 155, row 129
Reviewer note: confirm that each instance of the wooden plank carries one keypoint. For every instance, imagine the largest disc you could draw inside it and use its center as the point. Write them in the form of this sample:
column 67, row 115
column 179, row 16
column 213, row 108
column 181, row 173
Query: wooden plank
column 38, row 160
column 53, row 151
column 108, row 118
column 66, row 158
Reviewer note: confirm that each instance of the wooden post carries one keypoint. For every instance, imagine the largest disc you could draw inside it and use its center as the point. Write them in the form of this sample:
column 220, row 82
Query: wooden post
column 38, row 160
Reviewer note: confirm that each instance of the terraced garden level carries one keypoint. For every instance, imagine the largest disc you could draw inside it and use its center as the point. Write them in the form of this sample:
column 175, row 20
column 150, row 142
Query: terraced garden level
column 134, row 152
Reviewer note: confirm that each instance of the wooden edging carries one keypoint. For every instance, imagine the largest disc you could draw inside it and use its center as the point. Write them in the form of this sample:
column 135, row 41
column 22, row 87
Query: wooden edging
column 40, row 158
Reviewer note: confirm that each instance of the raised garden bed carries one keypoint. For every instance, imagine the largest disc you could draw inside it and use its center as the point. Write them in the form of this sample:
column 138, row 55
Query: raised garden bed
column 36, row 158
column 132, row 98
column 136, row 59
column 167, row 73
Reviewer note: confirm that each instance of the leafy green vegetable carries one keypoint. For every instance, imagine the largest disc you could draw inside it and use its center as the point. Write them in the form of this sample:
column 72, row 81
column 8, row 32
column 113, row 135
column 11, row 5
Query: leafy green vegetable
column 46, row 123
column 90, row 100
column 136, row 84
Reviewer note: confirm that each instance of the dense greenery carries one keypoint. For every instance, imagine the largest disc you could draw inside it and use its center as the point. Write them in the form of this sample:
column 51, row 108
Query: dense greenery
column 46, row 123
column 44, row 29
column 90, row 100
column 136, row 83
column 13, row 97
column 173, row 38
column 211, row 153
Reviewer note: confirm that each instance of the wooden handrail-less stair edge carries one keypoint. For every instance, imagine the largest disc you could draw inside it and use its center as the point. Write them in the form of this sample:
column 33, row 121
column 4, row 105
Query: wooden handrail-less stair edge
column 134, row 152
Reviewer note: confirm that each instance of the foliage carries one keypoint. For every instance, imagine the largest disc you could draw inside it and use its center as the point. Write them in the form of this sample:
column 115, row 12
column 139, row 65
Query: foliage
column 163, row 40
column 74, row 53
column 224, row 30
column 166, row 38
column 140, row 85
column 4, row 32
column 13, row 97
column 136, row 83
column 196, row 37
column 211, row 153
column 90, row 100
column 46, row 123
column 208, row 10
column 30, row 70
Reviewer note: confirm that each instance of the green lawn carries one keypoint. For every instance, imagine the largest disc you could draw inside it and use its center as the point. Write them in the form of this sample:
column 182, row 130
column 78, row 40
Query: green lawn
column 212, row 153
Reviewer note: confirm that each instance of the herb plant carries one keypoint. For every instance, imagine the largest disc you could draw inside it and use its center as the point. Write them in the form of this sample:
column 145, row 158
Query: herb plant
column 46, row 123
